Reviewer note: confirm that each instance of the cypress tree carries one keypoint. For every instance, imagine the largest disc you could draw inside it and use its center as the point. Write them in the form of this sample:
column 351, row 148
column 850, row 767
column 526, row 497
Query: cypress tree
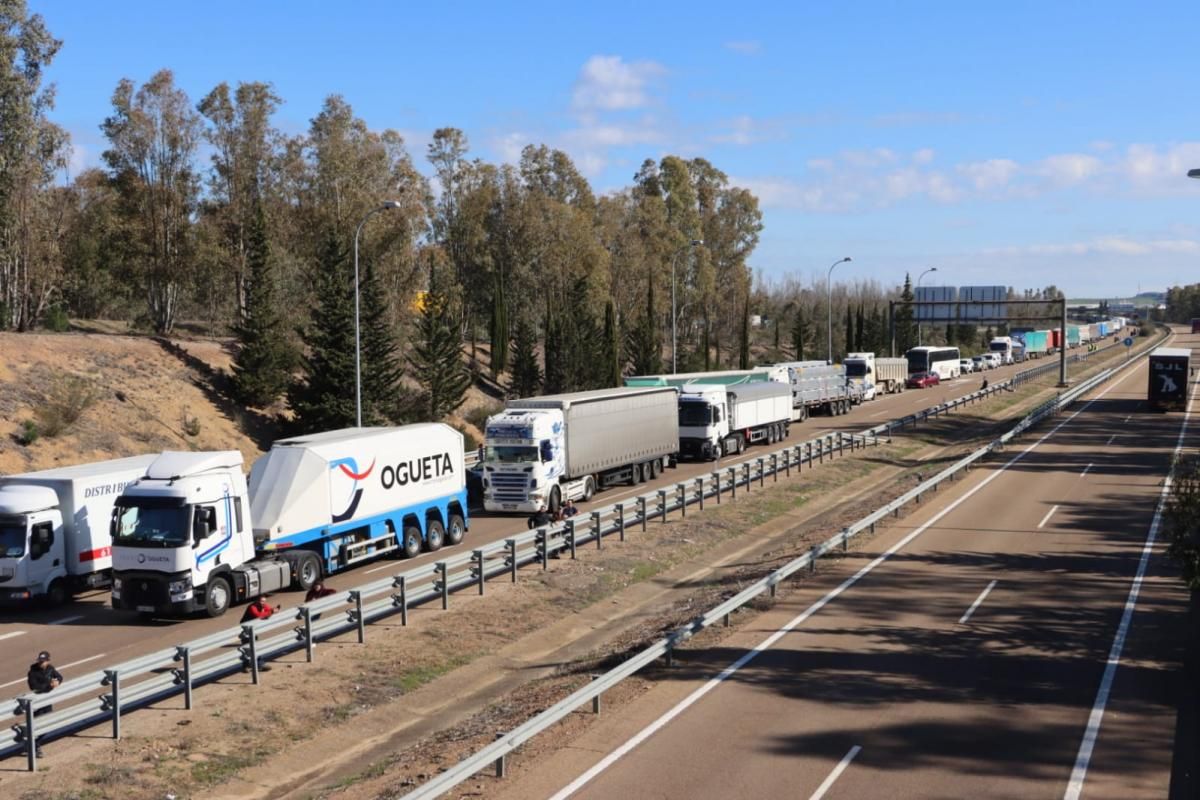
column 526, row 380
column 849, row 329
column 382, row 369
column 800, row 332
column 645, row 349
column 265, row 358
column 555, row 372
column 499, row 329
column 582, row 345
column 906, row 327
column 612, row 346
column 437, row 358
column 322, row 399
column 860, row 341
column 744, row 353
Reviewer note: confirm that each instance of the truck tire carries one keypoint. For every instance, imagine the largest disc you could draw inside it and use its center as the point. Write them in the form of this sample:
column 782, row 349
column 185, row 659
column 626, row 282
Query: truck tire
column 456, row 529
column 306, row 570
column 589, row 488
column 56, row 593
column 217, row 597
column 655, row 468
column 715, row 453
column 802, row 414
column 435, row 535
column 410, row 547
column 741, row 444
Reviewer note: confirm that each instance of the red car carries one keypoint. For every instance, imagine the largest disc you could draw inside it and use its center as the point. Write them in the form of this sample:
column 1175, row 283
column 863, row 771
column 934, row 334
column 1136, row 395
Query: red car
column 923, row 380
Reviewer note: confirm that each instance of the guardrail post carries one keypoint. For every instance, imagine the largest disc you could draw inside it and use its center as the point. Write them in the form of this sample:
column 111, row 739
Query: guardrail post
column 502, row 761
column 30, row 735
column 725, row 621
column 746, row 475
column 846, row 539
column 775, row 467
column 113, row 699
column 733, row 482
column 681, row 490
column 771, row 588
column 762, row 469
column 662, row 503
column 357, row 615
column 443, row 584
column 251, row 639
column 478, row 556
column 841, row 445
column 570, row 536
column 511, row 557
column 543, row 552
column 308, row 637
column 401, row 599
column 821, row 449
column 700, row 491
column 596, row 530
column 596, row 700
column 787, row 462
column 620, row 520
column 812, row 559
column 717, row 479
column 642, row 511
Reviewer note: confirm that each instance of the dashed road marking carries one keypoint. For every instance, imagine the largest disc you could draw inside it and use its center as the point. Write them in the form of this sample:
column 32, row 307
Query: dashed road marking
column 978, row 600
column 1046, row 518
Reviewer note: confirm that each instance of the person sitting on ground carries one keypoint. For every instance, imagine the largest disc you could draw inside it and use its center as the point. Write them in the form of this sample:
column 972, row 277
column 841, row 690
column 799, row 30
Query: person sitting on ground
column 259, row 608
column 318, row 590
column 981, row 388
column 569, row 509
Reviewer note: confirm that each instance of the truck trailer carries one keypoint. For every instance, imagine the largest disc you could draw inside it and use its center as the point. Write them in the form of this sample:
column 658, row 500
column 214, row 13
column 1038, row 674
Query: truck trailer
column 54, row 528
column 543, row 450
column 817, row 386
column 715, row 419
column 874, row 375
column 193, row 536
column 726, row 376
column 1170, row 378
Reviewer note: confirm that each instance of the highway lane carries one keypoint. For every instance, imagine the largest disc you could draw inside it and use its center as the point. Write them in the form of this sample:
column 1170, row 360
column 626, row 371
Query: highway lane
column 890, row 691
column 82, row 631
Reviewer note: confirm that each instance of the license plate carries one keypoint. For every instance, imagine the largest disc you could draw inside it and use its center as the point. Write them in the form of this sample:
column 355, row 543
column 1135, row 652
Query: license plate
column 508, row 506
column 147, row 609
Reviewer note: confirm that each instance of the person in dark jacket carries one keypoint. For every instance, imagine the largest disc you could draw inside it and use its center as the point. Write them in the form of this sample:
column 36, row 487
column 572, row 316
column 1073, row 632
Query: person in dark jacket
column 318, row 590
column 541, row 519
column 42, row 679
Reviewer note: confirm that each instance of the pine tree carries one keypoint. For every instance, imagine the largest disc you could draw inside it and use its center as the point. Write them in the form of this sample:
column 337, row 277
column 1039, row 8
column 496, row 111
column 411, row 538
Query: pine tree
column 437, row 358
column 645, row 349
column 800, row 333
column 381, row 368
column 265, row 357
column 950, row 330
column 611, row 362
column 849, row 330
column 860, row 342
column 553, row 353
column 499, row 329
column 323, row 398
column 526, row 380
column 582, row 343
column 906, row 328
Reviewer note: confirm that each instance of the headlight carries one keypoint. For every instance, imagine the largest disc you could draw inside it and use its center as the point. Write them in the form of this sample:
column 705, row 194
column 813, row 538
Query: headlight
column 180, row 586
column 533, row 483
column 116, row 584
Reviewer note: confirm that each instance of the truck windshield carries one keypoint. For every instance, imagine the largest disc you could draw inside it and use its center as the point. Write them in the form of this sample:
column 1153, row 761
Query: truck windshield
column 12, row 537
column 695, row 415
column 999, row 347
column 856, row 369
column 150, row 522
column 512, row 454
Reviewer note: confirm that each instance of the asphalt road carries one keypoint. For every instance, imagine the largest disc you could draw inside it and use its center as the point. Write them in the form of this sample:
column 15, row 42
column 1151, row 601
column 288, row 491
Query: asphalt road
column 966, row 661
column 88, row 634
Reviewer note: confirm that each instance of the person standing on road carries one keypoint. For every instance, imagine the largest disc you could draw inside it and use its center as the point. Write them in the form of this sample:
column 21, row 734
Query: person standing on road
column 43, row 678
column 540, row 519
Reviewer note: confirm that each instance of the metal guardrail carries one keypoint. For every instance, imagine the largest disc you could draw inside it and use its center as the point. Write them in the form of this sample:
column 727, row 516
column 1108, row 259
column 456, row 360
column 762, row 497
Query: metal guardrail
column 497, row 752
column 149, row 678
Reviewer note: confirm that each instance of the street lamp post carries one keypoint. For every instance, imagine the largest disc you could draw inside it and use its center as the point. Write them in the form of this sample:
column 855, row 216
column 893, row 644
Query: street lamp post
column 685, row 248
column 829, row 303
column 357, row 341
column 919, row 277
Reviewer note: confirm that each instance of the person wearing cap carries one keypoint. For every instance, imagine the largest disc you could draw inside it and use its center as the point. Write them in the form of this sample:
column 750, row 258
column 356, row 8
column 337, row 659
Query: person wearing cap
column 43, row 677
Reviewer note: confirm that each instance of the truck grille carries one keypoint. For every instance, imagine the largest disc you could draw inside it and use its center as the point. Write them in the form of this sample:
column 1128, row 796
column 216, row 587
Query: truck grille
column 144, row 592
column 691, row 448
column 509, row 487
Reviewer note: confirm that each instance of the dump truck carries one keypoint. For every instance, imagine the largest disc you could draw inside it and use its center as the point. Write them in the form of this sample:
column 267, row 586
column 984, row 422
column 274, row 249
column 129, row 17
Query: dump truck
column 1170, row 378
column 540, row 451
column 54, row 529
column 192, row 535
column 817, row 386
column 875, row 375
column 715, row 419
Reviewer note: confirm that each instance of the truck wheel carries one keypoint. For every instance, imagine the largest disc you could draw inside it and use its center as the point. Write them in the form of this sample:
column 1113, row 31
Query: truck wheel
column 411, row 546
column 589, row 488
column 56, row 593
column 217, row 597
column 306, row 570
column 741, row 444
column 655, row 468
column 435, row 535
column 802, row 414
column 555, row 501
column 716, row 452
column 456, row 530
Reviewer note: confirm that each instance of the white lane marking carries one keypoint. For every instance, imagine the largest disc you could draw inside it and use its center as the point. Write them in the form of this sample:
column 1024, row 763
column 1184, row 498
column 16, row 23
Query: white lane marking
column 1110, row 440
column 11, row 634
column 1085, row 470
column 1092, row 732
column 1046, row 518
column 978, row 600
column 764, row 645
column 378, row 569
column 837, row 771
column 65, row 620
column 64, row 666
column 1129, row 418
column 880, row 414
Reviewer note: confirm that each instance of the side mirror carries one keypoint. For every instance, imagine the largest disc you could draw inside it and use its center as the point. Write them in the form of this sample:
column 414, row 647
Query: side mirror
column 199, row 529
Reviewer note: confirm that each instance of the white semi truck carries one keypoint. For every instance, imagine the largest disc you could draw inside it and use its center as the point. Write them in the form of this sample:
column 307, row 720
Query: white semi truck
column 1002, row 346
column 875, row 375
column 715, row 419
column 54, row 528
column 191, row 535
column 543, row 450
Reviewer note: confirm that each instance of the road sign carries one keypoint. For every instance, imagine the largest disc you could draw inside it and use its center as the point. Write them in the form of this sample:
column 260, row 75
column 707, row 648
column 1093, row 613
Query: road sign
column 1128, row 341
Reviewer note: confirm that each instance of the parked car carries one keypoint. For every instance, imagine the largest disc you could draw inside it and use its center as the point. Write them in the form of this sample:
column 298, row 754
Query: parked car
column 966, row 365
column 997, row 359
column 923, row 380
column 982, row 362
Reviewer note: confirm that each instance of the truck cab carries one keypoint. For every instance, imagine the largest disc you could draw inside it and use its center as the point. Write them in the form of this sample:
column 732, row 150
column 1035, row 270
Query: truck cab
column 33, row 560
column 860, row 371
column 1002, row 347
column 703, row 421
column 176, row 530
column 523, row 460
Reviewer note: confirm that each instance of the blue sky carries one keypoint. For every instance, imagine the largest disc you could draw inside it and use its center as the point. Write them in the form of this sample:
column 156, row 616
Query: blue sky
column 1012, row 143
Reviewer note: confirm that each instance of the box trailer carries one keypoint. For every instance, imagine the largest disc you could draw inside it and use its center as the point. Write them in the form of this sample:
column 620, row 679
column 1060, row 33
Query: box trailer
column 1037, row 343
column 726, row 376
column 54, row 528
column 715, row 419
column 1072, row 336
column 192, row 535
column 542, row 450
column 817, row 386
column 1170, row 380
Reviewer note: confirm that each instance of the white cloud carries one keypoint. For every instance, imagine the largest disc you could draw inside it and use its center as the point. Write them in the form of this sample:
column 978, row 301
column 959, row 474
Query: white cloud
column 923, row 156
column 1104, row 245
column 986, row 176
column 747, row 47
column 1068, row 168
column 609, row 83
column 510, row 145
